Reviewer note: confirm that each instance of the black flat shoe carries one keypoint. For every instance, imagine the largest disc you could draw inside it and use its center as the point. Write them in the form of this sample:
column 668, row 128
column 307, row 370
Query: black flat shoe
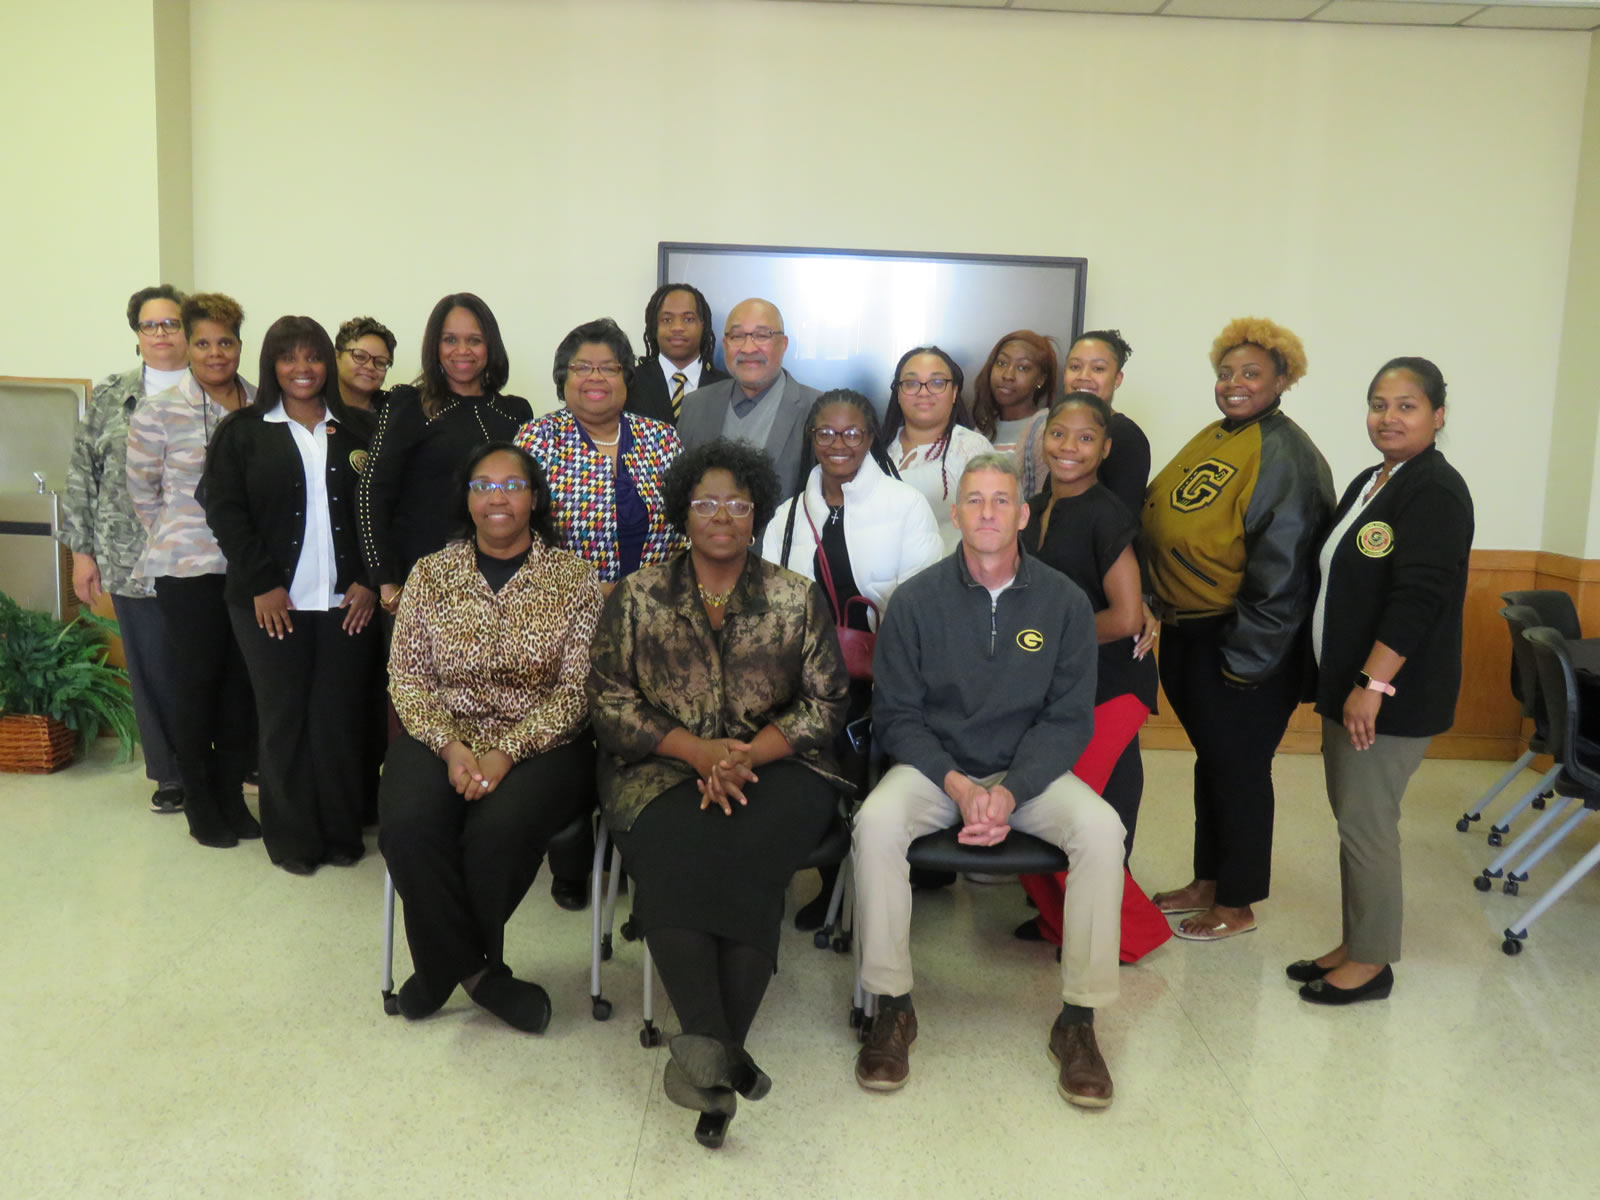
column 167, row 800
column 812, row 915
column 296, row 867
column 520, row 1004
column 344, row 858
column 749, row 1080
column 711, row 1129
column 1028, row 931
column 1320, row 991
column 1305, row 970
column 570, row 894
column 415, row 1001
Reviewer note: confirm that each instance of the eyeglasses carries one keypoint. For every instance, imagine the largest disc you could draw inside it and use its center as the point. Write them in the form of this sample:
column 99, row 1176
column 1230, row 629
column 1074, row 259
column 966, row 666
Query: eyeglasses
column 707, row 508
column 934, row 387
column 151, row 328
column 852, row 437
column 761, row 337
column 512, row 487
column 583, row 370
column 361, row 358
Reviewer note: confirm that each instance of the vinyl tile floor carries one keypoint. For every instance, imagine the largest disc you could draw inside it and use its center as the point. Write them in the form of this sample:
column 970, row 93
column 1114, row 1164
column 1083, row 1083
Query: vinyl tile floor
column 184, row 1021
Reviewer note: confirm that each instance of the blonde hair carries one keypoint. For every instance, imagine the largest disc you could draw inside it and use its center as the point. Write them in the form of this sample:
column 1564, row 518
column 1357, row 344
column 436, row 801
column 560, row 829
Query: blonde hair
column 1288, row 353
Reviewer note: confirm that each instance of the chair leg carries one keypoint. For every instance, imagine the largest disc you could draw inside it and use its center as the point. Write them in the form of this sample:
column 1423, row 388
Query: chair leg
column 649, row 1034
column 1517, row 933
column 1509, row 854
column 391, row 1002
column 1520, row 875
column 600, row 1006
column 1500, row 785
column 1501, row 827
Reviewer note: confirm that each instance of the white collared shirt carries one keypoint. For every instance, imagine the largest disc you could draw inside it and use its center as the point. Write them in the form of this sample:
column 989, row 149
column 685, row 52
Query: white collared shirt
column 315, row 574
column 691, row 374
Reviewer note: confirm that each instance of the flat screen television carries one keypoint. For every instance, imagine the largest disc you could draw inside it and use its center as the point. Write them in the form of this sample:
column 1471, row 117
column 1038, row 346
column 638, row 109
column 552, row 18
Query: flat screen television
column 851, row 314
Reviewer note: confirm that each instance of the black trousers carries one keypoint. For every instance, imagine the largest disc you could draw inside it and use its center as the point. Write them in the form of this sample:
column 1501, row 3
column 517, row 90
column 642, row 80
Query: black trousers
column 215, row 709
column 1235, row 732
column 462, row 867
column 309, row 691
column 1125, row 789
column 148, row 652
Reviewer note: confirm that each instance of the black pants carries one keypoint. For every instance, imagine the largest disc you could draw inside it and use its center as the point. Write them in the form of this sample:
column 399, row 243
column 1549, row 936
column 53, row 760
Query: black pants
column 1125, row 789
column 215, row 710
column 462, row 867
column 309, row 691
column 1235, row 732
column 148, row 652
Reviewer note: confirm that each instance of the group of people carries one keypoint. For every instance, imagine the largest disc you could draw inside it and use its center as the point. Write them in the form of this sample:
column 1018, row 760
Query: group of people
column 682, row 593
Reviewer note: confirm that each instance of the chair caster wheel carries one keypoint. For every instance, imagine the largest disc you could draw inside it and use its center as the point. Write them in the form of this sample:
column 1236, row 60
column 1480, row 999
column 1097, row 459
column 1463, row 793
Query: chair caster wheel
column 1509, row 887
column 1538, row 802
column 841, row 944
column 857, row 1017
column 1511, row 947
column 1481, row 883
column 391, row 1004
column 601, row 1009
column 1494, row 839
column 819, row 939
column 649, row 1037
column 1463, row 825
column 630, row 931
column 605, row 948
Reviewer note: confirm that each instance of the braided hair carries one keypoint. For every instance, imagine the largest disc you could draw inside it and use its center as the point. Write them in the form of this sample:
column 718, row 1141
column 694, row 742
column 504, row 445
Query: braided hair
column 959, row 413
column 808, row 455
column 652, row 314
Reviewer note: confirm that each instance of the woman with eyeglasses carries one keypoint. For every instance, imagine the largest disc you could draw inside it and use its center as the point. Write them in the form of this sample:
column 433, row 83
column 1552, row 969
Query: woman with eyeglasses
column 104, row 534
column 487, row 670
column 168, row 437
column 928, row 431
column 716, row 693
column 279, row 484
column 424, row 431
column 366, row 352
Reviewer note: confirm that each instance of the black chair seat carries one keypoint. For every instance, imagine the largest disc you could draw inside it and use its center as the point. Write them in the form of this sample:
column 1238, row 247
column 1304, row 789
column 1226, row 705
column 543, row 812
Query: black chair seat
column 834, row 845
column 1019, row 854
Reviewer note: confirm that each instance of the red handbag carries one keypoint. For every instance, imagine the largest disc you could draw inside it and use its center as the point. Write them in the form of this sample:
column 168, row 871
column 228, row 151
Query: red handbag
column 856, row 645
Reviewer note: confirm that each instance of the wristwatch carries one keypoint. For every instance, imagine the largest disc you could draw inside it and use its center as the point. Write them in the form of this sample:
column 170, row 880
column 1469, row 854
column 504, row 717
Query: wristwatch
column 1366, row 682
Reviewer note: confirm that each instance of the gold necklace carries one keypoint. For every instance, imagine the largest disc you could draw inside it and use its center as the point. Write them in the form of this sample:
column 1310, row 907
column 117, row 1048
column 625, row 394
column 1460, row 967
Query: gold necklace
column 714, row 599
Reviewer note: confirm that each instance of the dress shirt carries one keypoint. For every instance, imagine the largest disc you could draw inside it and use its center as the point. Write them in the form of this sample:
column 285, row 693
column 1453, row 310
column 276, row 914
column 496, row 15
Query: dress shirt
column 315, row 573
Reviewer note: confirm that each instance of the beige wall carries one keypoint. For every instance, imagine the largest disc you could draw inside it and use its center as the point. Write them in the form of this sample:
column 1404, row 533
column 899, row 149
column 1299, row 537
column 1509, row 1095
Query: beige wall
column 1383, row 191
column 80, row 195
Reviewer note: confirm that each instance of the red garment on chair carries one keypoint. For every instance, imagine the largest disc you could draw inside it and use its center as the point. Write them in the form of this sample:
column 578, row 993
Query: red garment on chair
column 1116, row 723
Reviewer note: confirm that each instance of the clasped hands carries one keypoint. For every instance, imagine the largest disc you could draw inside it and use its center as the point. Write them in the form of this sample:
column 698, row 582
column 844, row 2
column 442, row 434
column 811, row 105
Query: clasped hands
column 985, row 811
column 724, row 767
column 474, row 776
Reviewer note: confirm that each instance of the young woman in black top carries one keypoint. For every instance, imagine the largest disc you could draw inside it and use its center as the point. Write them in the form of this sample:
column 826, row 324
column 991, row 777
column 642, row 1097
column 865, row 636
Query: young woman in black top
column 406, row 500
column 1082, row 530
column 279, row 495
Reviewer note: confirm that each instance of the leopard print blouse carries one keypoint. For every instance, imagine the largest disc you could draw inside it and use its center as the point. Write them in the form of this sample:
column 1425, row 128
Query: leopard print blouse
column 494, row 670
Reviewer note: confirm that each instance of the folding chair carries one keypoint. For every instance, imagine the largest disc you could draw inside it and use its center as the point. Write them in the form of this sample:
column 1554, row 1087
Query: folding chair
column 1579, row 780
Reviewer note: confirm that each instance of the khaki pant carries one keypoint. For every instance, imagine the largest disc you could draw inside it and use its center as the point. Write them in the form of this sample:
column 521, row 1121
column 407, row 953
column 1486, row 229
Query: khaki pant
column 906, row 805
column 1365, row 788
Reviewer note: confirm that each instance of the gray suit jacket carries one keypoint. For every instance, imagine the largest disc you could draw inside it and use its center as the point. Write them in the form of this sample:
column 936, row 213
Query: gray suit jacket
column 705, row 409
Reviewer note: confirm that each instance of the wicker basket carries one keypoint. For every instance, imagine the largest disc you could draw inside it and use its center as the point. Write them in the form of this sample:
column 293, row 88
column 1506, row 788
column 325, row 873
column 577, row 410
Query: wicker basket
column 35, row 745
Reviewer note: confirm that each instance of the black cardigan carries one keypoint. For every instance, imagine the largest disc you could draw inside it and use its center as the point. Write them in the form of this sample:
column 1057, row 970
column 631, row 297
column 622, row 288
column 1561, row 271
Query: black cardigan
column 255, row 498
column 1405, row 588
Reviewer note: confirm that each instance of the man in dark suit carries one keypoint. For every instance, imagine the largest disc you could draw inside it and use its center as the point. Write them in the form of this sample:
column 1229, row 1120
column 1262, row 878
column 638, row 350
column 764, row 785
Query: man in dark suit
column 762, row 404
column 678, row 344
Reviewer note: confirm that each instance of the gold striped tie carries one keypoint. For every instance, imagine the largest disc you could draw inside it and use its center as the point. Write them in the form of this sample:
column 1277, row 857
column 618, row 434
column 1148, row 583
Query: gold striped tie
column 679, row 378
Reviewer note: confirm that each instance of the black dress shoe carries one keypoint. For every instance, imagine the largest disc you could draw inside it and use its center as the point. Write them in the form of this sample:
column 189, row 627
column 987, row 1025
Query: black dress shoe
column 297, row 867
column 346, row 858
column 167, row 800
column 1028, row 931
column 1304, row 970
column 519, row 1003
column 570, row 894
column 1320, row 991
column 416, row 1002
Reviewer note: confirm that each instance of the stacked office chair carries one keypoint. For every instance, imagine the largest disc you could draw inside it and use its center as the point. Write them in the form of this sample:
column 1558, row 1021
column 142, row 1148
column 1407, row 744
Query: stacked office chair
column 1556, row 610
column 1579, row 780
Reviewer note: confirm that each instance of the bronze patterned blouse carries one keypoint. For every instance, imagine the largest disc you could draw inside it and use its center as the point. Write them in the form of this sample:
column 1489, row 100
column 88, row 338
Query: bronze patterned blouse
column 657, row 664
column 494, row 670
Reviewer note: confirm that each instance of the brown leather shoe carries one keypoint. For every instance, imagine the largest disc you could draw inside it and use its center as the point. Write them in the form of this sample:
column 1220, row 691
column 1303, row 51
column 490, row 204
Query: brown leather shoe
column 884, row 1063
column 1085, row 1079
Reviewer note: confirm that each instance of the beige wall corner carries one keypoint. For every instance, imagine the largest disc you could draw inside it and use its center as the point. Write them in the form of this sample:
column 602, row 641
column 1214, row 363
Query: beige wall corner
column 174, row 160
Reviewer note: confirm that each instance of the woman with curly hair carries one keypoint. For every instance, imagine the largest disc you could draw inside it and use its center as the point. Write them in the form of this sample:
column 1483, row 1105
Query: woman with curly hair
column 716, row 689
column 1016, row 381
column 1230, row 531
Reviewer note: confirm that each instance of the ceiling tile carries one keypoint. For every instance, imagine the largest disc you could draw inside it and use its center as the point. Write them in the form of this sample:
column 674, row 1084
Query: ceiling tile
column 948, row 3
column 1395, row 12
column 1261, row 10
column 1503, row 16
column 1091, row 6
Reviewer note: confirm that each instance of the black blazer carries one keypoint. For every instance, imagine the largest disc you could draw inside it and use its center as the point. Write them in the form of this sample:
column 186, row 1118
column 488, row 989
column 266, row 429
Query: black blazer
column 255, row 499
column 650, row 393
column 1399, row 576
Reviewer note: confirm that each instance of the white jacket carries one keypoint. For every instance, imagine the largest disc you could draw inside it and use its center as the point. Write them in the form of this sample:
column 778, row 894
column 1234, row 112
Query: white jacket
column 889, row 531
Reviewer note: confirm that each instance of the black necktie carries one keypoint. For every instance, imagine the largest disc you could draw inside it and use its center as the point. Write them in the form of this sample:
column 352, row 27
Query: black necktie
column 679, row 378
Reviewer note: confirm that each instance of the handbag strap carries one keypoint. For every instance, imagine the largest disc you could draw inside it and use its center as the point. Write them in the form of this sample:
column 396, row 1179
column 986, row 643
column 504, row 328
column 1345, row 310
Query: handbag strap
column 827, row 571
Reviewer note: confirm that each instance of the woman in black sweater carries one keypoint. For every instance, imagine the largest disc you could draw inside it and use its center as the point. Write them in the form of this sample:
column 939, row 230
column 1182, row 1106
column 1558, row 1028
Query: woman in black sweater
column 406, row 502
column 1387, row 634
column 279, row 494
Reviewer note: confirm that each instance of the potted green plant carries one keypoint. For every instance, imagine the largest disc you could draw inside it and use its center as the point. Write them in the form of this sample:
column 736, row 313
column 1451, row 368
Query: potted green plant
column 56, row 689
